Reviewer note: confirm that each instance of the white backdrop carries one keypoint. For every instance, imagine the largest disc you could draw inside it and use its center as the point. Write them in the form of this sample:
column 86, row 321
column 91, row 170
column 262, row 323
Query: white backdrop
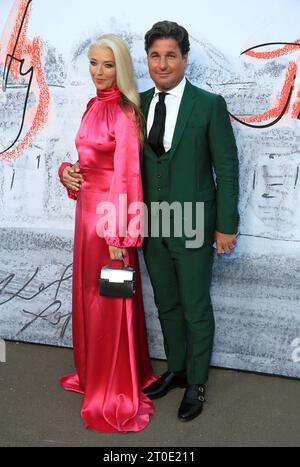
column 255, row 291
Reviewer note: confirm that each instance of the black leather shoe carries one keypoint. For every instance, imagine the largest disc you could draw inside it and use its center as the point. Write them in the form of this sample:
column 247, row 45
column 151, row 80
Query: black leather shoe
column 164, row 384
column 192, row 402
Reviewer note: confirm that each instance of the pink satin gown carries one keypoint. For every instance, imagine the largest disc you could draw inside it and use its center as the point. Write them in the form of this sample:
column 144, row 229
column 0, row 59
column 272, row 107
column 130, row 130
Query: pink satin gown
column 109, row 334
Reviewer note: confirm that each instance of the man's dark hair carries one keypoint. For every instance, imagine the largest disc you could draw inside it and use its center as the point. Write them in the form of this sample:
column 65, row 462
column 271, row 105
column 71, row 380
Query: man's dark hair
column 168, row 30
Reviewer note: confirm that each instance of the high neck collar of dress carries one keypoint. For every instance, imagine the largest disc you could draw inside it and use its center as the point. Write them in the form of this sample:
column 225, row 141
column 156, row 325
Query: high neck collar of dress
column 109, row 94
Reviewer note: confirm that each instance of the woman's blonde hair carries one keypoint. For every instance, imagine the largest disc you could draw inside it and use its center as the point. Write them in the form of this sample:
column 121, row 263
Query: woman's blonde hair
column 130, row 98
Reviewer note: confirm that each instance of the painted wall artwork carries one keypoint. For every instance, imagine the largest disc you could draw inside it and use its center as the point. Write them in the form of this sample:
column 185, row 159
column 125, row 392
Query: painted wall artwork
column 249, row 55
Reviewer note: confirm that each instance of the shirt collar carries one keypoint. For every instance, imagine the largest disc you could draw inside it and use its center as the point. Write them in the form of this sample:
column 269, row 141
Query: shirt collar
column 177, row 91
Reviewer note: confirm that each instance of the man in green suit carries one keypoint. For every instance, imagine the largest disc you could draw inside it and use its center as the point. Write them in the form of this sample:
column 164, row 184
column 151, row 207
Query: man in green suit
column 189, row 138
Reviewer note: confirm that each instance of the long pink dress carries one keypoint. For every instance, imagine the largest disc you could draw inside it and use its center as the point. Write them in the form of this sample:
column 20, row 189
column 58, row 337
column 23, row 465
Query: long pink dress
column 109, row 334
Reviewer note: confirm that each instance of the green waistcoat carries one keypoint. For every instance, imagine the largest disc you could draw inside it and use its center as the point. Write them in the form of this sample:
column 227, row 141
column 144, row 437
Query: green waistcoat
column 202, row 164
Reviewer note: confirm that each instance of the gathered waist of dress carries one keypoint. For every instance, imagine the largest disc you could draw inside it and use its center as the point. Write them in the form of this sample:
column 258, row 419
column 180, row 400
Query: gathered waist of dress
column 96, row 179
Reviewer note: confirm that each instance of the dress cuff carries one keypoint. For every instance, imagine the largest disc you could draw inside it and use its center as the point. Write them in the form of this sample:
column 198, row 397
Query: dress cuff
column 71, row 193
column 125, row 242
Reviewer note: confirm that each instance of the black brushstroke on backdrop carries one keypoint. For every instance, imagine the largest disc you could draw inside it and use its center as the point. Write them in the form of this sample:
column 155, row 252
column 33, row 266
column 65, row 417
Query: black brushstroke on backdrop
column 8, row 64
column 268, row 125
column 56, row 314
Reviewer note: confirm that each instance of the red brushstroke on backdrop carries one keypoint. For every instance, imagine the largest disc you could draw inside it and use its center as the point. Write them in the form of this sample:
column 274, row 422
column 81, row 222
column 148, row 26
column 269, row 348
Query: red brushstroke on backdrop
column 293, row 109
column 274, row 53
column 32, row 52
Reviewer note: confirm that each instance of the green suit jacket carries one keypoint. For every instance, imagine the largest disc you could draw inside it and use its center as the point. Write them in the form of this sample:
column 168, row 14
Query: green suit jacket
column 203, row 162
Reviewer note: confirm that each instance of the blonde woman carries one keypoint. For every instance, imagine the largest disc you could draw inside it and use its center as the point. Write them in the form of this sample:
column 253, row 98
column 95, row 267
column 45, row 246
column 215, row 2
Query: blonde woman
column 109, row 334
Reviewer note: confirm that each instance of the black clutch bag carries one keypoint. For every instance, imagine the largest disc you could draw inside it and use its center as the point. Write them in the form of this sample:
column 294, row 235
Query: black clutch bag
column 117, row 282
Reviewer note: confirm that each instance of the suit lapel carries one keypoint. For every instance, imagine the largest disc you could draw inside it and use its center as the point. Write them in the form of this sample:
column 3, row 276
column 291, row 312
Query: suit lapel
column 146, row 99
column 185, row 110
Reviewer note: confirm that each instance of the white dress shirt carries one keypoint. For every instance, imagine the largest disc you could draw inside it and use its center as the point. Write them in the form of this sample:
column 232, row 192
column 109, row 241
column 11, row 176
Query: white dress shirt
column 172, row 101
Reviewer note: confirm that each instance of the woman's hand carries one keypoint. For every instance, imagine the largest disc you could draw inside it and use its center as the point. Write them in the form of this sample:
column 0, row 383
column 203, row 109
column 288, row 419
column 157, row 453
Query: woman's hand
column 72, row 177
column 117, row 253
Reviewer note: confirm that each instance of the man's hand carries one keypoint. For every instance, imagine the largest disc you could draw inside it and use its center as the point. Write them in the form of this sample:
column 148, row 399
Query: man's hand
column 72, row 177
column 117, row 253
column 224, row 242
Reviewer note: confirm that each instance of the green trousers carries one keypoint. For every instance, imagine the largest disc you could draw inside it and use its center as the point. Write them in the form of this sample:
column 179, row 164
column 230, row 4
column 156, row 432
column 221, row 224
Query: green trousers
column 181, row 281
